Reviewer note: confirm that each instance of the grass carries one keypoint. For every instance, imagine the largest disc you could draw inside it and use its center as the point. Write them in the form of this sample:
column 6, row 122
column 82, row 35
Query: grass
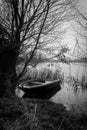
column 32, row 114
column 45, row 73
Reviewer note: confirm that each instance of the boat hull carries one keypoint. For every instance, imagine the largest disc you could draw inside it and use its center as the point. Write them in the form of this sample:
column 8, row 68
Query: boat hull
column 42, row 91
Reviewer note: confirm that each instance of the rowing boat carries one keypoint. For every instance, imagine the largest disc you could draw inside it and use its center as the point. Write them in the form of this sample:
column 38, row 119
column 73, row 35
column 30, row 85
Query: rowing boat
column 41, row 90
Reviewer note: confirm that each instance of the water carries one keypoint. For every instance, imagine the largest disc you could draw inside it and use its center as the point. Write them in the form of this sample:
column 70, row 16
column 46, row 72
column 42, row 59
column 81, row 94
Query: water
column 76, row 70
column 73, row 98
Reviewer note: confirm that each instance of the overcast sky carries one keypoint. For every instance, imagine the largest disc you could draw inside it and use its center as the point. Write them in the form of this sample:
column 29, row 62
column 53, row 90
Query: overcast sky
column 71, row 35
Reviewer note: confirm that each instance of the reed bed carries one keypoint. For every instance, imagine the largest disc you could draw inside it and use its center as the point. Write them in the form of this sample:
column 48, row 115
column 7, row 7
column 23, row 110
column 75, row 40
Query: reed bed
column 45, row 73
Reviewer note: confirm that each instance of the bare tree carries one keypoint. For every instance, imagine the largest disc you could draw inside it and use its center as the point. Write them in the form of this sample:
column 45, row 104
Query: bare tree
column 80, row 27
column 23, row 24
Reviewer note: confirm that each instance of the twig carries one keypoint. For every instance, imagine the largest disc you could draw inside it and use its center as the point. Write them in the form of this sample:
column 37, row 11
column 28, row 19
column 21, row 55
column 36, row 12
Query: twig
column 34, row 117
column 62, row 122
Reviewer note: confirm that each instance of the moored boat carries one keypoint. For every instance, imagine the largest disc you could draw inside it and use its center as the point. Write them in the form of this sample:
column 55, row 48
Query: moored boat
column 41, row 90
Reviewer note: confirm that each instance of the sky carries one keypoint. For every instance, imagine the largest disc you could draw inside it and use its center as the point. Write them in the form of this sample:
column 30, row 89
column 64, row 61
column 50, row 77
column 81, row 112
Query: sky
column 71, row 36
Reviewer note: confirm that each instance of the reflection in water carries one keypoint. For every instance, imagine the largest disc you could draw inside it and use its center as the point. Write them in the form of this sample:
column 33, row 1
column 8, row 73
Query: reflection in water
column 71, row 95
column 74, row 98
column 76, row 70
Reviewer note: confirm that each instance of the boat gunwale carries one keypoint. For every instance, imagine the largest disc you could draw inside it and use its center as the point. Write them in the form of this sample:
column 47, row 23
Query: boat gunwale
column 41, row 85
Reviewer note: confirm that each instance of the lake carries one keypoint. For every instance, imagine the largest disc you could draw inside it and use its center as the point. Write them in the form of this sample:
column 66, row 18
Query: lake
column 76, row 70
column 69, row 96
column 73, row 99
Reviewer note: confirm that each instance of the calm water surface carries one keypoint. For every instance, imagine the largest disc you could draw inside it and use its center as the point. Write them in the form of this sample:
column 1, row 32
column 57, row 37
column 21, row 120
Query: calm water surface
column 68, row 95
column 73, row 99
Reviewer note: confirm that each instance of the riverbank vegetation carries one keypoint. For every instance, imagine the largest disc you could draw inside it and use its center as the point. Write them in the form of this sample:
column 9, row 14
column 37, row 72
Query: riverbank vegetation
column 47, row 72
column 33, row 114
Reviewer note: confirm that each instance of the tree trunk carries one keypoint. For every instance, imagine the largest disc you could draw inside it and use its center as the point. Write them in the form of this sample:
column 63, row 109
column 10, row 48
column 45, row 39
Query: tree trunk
column 8, row 75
